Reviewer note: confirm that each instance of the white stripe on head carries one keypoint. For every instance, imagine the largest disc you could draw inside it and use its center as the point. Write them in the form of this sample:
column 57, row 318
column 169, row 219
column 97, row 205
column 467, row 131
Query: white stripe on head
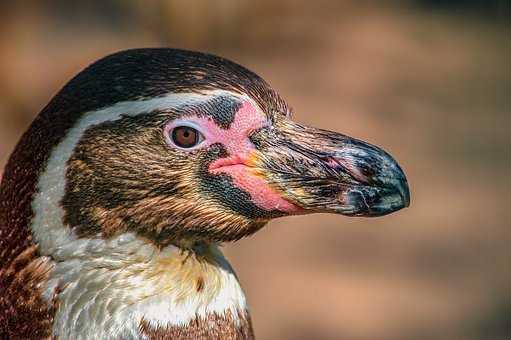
column 99, row 294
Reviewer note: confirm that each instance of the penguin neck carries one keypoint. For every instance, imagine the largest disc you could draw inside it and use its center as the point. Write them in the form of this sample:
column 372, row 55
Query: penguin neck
column 127, row 284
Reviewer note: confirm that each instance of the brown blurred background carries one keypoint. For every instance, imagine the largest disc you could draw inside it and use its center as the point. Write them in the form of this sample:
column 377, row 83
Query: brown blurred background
column 429, row 81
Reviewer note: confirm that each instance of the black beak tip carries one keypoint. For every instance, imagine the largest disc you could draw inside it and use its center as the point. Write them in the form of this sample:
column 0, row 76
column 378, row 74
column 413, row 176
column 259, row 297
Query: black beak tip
column 404, row 191
column 394, row 191
column 390, row 195
column 394, row 195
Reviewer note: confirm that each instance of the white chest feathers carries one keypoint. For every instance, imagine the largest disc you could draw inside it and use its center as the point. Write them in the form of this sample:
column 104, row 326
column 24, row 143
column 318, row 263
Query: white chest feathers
column 108, row 286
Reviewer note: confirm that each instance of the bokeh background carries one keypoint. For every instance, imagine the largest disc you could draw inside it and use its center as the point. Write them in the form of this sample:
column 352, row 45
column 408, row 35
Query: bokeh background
column 429, row 81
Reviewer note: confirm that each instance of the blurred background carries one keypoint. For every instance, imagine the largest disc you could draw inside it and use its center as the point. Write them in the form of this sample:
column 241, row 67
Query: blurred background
column 429, row 81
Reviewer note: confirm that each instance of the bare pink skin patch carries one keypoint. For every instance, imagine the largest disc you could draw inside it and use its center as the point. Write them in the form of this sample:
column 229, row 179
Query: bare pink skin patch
column 236, row 141
column 262, row 195
column 241, row 149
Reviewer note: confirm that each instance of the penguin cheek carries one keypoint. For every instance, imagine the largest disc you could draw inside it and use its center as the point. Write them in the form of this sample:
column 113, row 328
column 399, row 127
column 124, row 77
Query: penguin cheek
column 227, row 188
column 259, row 192
column 229, row 179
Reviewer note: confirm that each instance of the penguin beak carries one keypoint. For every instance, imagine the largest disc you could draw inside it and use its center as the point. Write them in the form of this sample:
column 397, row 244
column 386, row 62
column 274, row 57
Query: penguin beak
column 324, row 171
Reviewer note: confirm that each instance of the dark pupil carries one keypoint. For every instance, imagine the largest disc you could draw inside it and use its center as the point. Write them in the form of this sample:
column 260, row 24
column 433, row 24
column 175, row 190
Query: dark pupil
column 184, row 136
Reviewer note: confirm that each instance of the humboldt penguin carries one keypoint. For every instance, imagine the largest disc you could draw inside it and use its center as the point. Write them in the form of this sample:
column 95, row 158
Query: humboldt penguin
column 116, row 199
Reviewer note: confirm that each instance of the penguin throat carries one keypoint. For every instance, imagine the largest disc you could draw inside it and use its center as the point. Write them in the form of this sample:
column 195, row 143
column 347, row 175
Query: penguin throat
column 105, row 286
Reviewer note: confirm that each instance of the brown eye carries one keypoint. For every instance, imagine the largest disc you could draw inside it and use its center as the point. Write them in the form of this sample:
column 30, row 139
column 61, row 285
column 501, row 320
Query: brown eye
column 185, row 136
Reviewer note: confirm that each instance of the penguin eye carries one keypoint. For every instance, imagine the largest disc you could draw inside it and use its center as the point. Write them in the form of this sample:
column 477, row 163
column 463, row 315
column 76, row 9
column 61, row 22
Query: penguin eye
column 186, row 136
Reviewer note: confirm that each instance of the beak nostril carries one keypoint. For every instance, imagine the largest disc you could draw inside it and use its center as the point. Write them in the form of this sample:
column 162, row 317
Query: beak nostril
column 358, row 171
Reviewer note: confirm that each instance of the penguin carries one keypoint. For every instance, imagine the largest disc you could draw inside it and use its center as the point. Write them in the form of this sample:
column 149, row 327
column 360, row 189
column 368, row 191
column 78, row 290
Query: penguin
column 116, row 199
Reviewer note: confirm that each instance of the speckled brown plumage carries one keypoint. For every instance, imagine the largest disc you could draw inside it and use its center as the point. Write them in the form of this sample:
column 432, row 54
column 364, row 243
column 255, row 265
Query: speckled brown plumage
column 23, row 313
column 214, row 326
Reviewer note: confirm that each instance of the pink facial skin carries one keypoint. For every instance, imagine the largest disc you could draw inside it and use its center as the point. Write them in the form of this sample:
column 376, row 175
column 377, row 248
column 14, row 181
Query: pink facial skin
column 241, row 150
column 262, row 195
